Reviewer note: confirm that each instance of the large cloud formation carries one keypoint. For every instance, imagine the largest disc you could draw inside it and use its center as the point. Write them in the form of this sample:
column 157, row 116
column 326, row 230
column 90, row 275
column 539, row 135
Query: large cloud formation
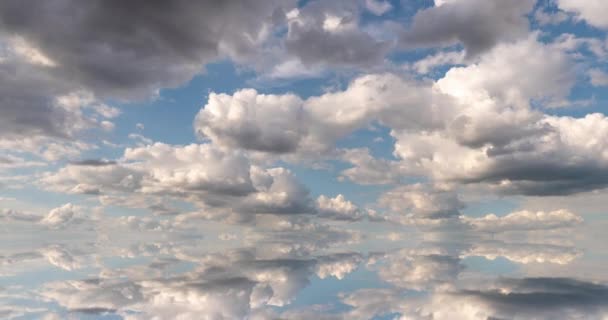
column 474, row 125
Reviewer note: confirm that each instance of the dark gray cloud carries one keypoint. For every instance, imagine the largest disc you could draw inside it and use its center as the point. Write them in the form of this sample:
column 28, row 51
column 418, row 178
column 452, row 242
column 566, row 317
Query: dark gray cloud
column 329, row 33
column 549, row 175
column 27, row 106
column 129, row 49
column 544, row 298
column 477, row 24
column 94, row 162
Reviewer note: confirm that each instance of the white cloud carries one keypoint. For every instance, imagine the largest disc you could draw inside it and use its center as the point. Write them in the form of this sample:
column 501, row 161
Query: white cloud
column 338, row 208
column 442, row 58
column 285, row 123
column 592, row 11
column 221, row 182
column 524, row 221
column 246, row 119
column 60, row 216
column 523, row 253
column 422, row 202
column 598, row 78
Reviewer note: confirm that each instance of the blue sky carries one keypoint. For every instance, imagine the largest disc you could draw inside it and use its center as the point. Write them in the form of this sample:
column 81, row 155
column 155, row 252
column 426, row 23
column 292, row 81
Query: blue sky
column 282, row 159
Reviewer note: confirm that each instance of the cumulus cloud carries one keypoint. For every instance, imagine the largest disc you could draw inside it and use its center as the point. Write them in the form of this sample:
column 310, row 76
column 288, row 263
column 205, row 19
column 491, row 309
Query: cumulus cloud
column 246, row 119
column 538, row 298
column 496, row 137
column 249, row 120
column 541, row 298
column 474, row 125
column 61, row 216
column 422, row 202
column 224, row 183
column 56, row 218
column 338, row 208
column 234, row 284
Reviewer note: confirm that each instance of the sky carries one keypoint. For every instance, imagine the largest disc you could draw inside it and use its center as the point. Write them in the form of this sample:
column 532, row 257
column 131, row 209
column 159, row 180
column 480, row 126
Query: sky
column 283, row 159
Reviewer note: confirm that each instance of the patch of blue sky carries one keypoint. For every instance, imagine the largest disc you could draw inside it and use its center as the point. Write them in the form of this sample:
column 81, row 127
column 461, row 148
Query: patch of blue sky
column 497, row 206
column 498, row 266
column 327, row 291
column 327, row 182
column 33, row 278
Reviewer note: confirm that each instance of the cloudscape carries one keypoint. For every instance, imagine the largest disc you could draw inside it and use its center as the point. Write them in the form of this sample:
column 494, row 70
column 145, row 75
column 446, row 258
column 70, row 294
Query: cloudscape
column 310, row 159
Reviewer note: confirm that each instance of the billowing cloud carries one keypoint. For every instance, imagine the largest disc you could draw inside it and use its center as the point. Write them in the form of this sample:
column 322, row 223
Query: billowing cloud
column 60, row 215
column 286, row 123
column 56, row 218
column 422, row 202
column 246, row 119
column 229, row 285
column 338, row 208
column 223, row 182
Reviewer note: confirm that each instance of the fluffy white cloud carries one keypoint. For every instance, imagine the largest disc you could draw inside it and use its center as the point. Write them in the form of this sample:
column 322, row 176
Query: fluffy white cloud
column 246, row 119
column 227, row 285
column 190, row 168
column 422, row 202
column 496, row 136
column 60, row 216
column 222, row 182
column 338, row 208
column 284, row 123
column 473, row 125
column 56, row 218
